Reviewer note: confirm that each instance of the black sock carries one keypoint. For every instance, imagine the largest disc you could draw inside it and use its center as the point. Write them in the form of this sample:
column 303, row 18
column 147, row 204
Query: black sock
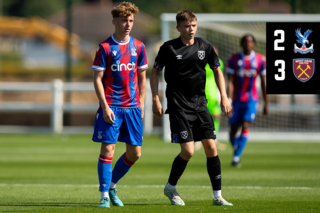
column 178, row 167
column 214, row 171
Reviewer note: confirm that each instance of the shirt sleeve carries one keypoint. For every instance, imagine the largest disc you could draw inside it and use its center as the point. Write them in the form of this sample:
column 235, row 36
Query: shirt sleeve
column 213, row 59
column 263, row 66
column 142, row 60
column 160, row 59
column 230, row 67
column 99, row 63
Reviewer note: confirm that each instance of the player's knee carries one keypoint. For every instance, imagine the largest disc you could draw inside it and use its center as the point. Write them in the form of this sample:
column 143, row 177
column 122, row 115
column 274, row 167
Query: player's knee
column 209, row 147
column 138, row 155
column 246, row 125
column 133, row 156
column 107, row 149
column 190, row 153
column 187, row 154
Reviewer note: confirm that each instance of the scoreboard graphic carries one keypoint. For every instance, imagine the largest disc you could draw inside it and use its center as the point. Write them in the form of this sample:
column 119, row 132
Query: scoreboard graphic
column 293, row 54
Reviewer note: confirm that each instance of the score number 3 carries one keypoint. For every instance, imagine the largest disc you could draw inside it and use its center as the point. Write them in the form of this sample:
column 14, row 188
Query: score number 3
column 282, row 75
column 281, row 69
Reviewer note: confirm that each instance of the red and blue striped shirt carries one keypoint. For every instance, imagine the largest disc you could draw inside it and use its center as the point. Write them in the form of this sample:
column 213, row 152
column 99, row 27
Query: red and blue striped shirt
column 120, row 62
column 245, row 70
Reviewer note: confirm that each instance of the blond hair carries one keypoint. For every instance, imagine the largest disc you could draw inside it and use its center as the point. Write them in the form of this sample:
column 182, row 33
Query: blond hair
column 125, row 9
column 185, row 15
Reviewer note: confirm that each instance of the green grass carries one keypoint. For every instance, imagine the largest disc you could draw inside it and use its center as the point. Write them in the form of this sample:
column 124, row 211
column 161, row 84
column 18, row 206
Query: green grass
column 45, row 173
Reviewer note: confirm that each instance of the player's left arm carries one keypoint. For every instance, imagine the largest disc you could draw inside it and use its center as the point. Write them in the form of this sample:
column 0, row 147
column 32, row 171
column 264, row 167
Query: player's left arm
column 225, row 103
column 142, row 79
column 219, row 79
column 263, row 85
column 142, row 66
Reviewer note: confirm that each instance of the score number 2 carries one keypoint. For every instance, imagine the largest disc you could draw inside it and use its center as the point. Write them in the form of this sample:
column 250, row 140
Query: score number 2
column 281, row 69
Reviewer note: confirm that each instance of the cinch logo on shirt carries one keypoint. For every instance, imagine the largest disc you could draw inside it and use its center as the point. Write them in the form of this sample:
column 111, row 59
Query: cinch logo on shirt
column 247, row 73
column 122, row 67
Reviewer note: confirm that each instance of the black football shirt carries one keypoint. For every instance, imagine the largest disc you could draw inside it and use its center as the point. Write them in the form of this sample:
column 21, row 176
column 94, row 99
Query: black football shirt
column 185, row 73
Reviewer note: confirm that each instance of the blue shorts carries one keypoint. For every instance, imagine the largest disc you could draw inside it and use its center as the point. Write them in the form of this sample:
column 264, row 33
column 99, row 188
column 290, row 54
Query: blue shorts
column 127, row 127
column 243, row 111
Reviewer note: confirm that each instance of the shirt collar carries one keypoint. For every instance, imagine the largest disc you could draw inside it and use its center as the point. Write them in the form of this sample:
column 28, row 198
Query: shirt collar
column 119, row 42
column 251, row 56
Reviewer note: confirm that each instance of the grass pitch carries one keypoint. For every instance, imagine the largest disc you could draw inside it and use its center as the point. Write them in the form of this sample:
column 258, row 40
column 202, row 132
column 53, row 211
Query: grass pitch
column 45, row 173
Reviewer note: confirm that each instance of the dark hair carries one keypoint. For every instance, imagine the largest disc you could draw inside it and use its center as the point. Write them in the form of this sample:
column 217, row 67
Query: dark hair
column 242, row 39
column 185, row 15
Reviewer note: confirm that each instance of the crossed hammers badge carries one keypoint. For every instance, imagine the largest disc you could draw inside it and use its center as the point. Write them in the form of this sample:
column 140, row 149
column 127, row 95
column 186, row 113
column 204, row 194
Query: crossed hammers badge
column 304, row 71
column 303, row 68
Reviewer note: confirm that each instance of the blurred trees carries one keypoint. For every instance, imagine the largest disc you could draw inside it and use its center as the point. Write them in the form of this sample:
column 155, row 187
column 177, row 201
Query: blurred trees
column 156, row 7
column 45, row 8
column 305, row 6
column 215, row 6
column 26, row 8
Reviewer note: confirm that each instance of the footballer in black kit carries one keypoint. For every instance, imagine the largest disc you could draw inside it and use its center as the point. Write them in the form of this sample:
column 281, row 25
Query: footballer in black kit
column 184, row 59
column 185, row 75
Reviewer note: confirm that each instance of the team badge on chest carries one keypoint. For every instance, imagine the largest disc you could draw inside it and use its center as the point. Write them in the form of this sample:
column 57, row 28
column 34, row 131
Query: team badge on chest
column 201, row 54
column 133, row 52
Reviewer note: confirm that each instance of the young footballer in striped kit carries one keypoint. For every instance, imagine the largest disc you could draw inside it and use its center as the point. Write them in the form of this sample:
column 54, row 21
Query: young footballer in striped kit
column 120, row 84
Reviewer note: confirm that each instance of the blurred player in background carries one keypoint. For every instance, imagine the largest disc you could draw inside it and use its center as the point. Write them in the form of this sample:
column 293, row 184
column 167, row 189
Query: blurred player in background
column 184, row 59
column 243, row 70
column 213, row 99
column 120, row 84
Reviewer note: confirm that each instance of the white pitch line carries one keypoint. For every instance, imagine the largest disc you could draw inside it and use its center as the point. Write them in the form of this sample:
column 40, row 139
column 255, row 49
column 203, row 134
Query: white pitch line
column 161, row 186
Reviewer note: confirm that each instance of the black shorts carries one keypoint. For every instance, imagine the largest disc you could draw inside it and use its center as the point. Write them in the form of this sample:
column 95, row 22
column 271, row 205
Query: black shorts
column 186, row 127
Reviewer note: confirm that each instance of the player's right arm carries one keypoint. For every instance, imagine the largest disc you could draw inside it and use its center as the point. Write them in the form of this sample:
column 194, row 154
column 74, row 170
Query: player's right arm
column 220, row 82
column 230, row 86
column 154, row 82
column 230, row 73
column 263, row 85
column 108, row 114
column 160, row 62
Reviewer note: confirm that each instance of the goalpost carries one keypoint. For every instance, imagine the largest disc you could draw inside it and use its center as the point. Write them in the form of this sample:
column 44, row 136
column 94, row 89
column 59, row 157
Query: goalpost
column 291, row 117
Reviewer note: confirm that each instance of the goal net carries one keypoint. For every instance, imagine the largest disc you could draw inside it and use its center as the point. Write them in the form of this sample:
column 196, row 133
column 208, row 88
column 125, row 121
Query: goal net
column 287, row 113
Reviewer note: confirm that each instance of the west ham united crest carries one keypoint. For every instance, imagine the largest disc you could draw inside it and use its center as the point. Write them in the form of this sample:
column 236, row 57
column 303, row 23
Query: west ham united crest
column 201, row 54
column 303, row 69
column 184, row 134
column 303, row 39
